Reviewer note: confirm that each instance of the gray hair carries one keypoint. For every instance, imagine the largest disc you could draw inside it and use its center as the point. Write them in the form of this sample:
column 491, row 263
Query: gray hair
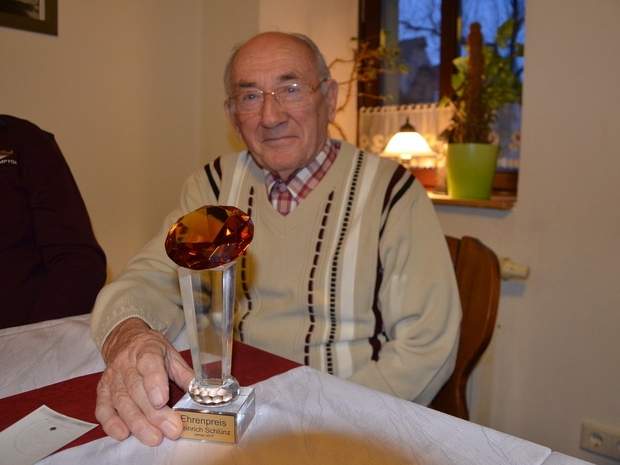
column 319, row 59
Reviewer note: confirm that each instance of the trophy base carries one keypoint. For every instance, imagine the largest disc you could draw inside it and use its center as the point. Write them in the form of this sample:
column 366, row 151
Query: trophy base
column 225, row 423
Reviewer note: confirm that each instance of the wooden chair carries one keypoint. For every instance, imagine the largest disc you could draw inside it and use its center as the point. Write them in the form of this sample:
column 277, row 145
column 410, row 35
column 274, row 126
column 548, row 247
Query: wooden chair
column 478, row 279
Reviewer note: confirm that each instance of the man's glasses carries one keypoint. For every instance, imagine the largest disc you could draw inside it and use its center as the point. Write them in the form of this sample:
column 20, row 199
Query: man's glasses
column 289, row 96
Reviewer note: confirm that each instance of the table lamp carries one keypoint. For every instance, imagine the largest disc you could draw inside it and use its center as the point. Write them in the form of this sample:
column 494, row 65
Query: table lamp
column 408, row 146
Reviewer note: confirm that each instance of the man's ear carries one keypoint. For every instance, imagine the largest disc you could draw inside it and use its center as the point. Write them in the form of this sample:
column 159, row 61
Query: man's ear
column 331, row 96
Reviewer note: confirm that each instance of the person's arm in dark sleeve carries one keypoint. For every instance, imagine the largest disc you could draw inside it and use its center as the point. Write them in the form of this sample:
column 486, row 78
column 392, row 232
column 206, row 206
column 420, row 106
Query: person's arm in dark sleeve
column 75, row 264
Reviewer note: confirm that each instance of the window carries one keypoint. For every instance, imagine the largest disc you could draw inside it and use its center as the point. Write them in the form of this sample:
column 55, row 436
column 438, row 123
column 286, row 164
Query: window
column 430, row 34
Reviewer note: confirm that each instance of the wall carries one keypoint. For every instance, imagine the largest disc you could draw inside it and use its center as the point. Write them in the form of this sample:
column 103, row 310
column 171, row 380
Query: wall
column 120, row 88
column 134, row 96
column 555, row 358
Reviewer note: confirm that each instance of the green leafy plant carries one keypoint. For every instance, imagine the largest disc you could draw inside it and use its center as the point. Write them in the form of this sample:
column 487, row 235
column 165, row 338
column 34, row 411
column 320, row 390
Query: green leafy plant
column 484, row 82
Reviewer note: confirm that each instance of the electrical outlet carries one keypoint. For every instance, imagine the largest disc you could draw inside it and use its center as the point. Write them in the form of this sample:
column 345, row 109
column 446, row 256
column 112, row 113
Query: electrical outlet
column 600, row 439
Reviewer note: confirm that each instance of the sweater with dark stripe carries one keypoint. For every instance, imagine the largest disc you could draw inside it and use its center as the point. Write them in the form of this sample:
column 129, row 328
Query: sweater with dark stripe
column 356, row 281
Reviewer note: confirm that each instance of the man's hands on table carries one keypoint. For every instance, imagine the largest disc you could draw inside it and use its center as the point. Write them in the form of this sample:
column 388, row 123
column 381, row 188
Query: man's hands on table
column 133, row 391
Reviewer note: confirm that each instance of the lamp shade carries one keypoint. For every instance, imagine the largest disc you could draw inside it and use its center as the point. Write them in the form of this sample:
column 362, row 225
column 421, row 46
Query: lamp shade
column 407, row 143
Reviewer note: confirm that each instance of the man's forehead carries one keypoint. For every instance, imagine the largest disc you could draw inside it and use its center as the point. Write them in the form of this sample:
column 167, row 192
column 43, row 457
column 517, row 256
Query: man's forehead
column 274, row 44
column 276, row 60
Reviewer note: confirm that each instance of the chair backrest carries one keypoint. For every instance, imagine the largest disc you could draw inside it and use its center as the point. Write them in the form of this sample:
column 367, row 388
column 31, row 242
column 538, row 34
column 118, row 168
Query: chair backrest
column 478, row 278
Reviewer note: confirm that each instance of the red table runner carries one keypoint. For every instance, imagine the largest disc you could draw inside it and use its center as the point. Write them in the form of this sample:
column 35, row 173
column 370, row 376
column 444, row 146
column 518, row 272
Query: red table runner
column 76, row 397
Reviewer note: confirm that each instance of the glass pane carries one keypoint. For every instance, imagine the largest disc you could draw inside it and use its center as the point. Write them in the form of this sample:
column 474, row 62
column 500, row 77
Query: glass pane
column 419, row 40
column 492, row 14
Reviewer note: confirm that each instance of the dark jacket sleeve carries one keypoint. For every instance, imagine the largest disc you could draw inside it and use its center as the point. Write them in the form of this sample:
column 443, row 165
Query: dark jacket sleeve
column 74, row 264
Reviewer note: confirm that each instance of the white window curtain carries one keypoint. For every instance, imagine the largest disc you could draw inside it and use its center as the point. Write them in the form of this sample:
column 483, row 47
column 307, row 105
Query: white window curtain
column 378, row 124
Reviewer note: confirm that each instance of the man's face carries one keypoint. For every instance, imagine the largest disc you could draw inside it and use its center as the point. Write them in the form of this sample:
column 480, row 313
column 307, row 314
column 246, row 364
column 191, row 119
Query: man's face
column 281, row 140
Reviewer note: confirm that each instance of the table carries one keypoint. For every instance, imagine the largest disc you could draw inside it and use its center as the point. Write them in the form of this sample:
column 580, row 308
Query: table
column 302, row 417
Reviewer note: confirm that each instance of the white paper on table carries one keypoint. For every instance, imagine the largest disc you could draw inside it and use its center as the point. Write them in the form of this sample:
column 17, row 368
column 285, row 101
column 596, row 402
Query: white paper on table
column 38, row 434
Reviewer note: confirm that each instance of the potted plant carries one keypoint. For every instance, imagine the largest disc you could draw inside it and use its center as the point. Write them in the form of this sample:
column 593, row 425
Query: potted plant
column 484, row 81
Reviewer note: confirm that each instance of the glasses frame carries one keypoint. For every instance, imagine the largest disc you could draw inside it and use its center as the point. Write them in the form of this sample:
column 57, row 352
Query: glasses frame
column 264, row 93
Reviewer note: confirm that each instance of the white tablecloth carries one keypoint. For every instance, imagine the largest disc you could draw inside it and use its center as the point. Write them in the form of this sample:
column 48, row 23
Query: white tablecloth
column 43, row 353
column 32, row 356
column 302, row 417
column 560, row 459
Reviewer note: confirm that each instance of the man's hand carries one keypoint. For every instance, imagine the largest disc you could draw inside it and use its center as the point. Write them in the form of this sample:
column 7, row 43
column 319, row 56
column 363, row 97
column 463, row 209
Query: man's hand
column 133, row 390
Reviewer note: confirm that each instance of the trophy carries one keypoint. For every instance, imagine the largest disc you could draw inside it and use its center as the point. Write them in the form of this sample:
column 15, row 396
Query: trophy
column 206, row 243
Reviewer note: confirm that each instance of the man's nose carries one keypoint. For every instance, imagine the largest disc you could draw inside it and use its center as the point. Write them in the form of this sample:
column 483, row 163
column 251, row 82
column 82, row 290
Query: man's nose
column 272, row 112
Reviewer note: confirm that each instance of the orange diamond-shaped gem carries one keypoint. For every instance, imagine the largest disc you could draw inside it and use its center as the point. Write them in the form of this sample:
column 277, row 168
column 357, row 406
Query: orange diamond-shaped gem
column 209, row 237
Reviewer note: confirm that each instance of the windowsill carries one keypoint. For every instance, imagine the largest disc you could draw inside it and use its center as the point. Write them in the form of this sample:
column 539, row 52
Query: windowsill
column 498, row 201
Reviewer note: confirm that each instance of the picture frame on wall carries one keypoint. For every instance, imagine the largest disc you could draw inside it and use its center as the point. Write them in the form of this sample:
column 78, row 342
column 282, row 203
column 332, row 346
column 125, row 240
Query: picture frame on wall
column 30, row 15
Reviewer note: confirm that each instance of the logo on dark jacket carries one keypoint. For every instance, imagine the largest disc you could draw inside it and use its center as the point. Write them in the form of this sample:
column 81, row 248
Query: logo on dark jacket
column 7, row 157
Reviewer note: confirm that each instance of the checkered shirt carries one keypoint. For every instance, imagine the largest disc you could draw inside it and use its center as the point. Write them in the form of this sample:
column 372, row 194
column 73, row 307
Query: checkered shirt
column 286, row 195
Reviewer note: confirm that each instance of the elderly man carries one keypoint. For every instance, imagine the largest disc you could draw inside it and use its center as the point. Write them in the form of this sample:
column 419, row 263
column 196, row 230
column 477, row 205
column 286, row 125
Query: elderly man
column 348, row 271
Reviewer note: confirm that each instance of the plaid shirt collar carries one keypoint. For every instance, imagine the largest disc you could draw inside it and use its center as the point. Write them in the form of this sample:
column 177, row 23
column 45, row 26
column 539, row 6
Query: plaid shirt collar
column 284, row 196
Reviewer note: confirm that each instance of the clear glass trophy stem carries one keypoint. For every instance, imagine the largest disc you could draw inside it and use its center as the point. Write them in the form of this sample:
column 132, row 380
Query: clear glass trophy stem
column 208, row 303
